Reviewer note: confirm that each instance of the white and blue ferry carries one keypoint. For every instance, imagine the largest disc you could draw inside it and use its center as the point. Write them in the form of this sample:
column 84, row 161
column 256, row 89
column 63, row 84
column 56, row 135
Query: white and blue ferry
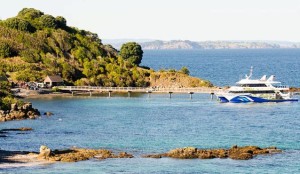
column 257, row 90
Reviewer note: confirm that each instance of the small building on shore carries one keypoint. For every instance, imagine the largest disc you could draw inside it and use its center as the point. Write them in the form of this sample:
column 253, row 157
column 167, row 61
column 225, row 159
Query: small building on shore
column 51, row 81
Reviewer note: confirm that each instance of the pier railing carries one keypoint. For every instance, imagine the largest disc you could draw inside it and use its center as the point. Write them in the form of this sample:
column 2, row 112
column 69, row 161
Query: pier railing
column 139, row 89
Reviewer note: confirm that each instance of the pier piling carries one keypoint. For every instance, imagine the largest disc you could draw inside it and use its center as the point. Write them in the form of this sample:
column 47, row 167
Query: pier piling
column 149, row 93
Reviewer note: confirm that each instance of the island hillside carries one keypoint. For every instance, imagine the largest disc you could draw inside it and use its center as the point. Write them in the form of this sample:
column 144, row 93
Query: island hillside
column 34, row 45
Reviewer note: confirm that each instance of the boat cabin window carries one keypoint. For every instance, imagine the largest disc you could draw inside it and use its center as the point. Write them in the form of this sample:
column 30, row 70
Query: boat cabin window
column 254, row 92
column 253, row 85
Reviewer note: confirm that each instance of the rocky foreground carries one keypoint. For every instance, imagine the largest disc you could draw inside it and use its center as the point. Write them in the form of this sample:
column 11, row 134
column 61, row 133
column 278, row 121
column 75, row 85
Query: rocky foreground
column 19, row 113
column 235, row 152
column 78, row 154
column 46, row 155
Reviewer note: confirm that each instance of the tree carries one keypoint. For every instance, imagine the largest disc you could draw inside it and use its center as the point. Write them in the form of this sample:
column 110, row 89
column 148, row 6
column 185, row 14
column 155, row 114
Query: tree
column 5, row 50
column 110, row 51
column 132, row 52
column 30, row 55
column 48, row 21
column 185, row 70
column 67, row 71
column 30, row 13
column 61, row 22
column 63, row 39
column 19, row 24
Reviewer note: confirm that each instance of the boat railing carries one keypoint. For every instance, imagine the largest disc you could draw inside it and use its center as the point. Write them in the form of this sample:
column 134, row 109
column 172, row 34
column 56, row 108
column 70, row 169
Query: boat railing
column 141, row 89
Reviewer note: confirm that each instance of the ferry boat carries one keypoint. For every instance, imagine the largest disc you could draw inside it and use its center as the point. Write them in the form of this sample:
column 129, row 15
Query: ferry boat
column 256, row 90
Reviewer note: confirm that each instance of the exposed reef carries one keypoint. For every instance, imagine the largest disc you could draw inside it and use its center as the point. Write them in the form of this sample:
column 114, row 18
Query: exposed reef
column 235, row 152
column 4, row 132
column 46, row 155
column 19, row 113
column 78, row 154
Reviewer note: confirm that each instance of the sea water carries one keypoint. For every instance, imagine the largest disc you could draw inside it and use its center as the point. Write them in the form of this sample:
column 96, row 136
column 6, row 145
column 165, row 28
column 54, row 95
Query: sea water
column 145, row 125
column 225, row 67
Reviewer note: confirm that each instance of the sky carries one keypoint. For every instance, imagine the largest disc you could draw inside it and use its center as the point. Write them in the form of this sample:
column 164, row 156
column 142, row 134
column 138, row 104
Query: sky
column 197, row 20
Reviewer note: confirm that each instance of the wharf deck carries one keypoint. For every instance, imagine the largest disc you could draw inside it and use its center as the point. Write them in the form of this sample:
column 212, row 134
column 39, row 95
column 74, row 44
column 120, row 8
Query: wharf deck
column 140, row 89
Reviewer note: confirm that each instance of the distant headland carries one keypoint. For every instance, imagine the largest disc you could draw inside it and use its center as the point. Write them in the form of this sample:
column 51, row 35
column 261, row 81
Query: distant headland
column 148, row 44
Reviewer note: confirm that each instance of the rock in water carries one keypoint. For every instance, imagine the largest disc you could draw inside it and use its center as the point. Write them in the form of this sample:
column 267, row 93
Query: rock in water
column 236, row 153
column 45, row 152
column 19, row 113
column 48, row 113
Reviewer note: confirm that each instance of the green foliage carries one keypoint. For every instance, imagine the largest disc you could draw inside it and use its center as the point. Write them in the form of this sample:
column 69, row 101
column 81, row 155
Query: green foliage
column 61, row 22
column 68, row 71
column 19, row 24
column 184, row 70
column 172, row 70
column 55, row 89
column 48, row 21
column 4, row 94
column 133, row 52
column 5, row 50
column 111, row 51
column 6, row 102
column 81, row 53
column 63, row 40
column 55, row 48
column 30, row 13
column 4, row 88
column 30, row 55
column 28, row 75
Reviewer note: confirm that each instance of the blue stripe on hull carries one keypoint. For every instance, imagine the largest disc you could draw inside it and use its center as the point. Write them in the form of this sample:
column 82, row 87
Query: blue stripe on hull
column 223, row 100
column 248, row 98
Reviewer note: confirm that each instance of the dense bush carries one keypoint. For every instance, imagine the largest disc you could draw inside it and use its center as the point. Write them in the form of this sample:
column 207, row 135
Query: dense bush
column 48, row 21
column 19, row 24
column 61, row 22
column 133, row 52
column 30, row 55
column 184, row 70
column 30, row 13
column 5, row 50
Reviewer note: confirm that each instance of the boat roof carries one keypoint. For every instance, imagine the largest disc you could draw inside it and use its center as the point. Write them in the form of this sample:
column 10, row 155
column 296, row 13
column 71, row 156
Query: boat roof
column 257, row 81
column 262, row 80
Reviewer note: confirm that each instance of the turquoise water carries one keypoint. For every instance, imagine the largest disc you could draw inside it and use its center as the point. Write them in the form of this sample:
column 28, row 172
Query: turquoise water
column 141, row 125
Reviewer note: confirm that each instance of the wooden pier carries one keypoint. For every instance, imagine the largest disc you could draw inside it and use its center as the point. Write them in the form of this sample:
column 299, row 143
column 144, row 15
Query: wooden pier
column 149, row 90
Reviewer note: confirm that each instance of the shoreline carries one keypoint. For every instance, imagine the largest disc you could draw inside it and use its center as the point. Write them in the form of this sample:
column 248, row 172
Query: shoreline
column 16, row 159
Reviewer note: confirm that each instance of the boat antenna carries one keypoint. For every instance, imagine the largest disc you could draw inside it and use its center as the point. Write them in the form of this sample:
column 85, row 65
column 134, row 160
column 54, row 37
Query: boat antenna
column 250, row 74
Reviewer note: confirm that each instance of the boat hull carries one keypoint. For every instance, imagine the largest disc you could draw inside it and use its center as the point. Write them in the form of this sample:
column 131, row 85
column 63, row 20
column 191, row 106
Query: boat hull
column 249, row 98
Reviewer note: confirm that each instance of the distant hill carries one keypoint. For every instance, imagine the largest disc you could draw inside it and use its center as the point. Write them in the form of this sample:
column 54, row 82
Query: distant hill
column 117, row 43
column 186, row 44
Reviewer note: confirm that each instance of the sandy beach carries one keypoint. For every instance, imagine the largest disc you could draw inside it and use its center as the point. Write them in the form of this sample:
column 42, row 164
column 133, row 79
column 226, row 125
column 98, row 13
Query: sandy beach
column 9, row 159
